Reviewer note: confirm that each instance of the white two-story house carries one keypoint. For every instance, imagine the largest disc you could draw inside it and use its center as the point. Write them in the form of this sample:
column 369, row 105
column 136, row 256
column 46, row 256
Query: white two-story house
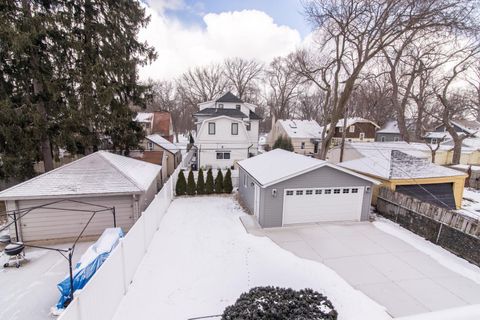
column 227, row 132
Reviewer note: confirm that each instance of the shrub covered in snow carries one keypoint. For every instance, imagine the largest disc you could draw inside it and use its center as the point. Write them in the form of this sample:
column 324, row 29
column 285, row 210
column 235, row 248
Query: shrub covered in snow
column 219, row 182
column 209, row 185
column 227, row 182
column 181, row 186
column 191, row 187
column 281, row 304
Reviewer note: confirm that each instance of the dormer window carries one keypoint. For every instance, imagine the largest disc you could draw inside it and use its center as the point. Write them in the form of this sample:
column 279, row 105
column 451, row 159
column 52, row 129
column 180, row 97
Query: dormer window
column 237, row 107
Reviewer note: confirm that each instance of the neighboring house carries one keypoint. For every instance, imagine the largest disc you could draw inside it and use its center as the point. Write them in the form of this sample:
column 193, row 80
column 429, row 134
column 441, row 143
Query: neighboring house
column 95, row 182
column 391, row 133
column 282, row 188
column 227, row 132
column 305, row 134
column 409, row 171
column 440, row 134
column 357, row 129
column 159, row 122
column 158, row 150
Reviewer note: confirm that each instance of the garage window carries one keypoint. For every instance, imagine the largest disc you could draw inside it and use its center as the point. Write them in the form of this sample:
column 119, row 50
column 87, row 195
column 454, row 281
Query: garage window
column 309, row 192
column 354, row 190
column 289, row 193
column 328, row 191
column 346, row 190
column 336, row 191
column 318, row 191
column 299, row 192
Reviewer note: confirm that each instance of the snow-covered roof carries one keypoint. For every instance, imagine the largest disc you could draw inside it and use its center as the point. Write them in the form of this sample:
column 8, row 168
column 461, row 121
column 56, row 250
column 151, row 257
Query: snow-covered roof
column 470, row 126
column 437, row 135
column 390, row 127
column 144, row 117
column 397, row 163
column 354, row 120
column 98, row 173
column 163, row 143
column 278, row 165
column 308, row 129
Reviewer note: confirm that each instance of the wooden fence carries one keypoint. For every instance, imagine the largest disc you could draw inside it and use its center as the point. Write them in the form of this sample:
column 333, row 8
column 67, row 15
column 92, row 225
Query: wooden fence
column 452, row 230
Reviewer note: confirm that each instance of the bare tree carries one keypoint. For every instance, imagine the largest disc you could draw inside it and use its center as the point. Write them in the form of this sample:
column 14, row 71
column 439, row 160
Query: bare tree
column 354, row 32
column 282, row 87
column 242, row 75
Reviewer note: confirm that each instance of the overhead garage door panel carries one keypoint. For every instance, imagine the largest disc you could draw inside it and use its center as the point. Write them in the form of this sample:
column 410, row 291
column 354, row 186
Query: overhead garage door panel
column 440, row 194
column 322, row 204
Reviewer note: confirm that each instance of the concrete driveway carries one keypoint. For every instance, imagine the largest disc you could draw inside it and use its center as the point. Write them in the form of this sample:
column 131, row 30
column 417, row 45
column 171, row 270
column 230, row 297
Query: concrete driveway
column 385, row 268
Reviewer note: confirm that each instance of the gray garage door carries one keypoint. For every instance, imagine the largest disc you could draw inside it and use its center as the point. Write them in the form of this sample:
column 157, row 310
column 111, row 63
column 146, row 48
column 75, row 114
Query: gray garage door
column 440, row 194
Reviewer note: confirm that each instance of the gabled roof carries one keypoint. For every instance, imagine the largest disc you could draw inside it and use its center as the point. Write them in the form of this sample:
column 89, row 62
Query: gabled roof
column 391, row 163
column 163, row 143
column 98, row 173
column 307, row 129
column 229, row 97
column 214, row 112
column 354, row 120
column 278, row 165
column 469, row 126
column 390, row 127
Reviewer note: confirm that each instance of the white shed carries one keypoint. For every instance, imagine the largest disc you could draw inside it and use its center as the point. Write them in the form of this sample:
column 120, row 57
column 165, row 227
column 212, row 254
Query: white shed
column 99, row 179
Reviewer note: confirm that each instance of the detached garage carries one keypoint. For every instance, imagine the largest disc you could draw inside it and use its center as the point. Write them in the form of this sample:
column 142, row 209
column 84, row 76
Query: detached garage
column 283, row 188
column 63, row 199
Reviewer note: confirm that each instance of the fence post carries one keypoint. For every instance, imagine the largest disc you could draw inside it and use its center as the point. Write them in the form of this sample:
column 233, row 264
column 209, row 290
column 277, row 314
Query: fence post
column 439, row 232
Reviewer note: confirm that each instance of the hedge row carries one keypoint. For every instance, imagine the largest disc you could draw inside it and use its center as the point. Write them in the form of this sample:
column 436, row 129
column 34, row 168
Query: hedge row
column 221, row 184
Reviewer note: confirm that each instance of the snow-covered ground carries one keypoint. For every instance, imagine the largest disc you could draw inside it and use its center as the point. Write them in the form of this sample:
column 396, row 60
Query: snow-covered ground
column 31, row 290
column 471, row 203
column 201, row 260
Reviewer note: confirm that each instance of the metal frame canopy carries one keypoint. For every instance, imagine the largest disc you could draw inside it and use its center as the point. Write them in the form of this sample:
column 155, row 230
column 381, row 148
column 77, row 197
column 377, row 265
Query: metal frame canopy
column 67, row 253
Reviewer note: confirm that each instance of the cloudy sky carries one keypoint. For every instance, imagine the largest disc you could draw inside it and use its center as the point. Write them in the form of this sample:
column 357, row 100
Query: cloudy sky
column 188, row 33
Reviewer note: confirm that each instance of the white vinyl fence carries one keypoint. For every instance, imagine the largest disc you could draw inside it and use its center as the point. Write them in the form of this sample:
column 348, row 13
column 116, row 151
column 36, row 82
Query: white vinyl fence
column 101, row 296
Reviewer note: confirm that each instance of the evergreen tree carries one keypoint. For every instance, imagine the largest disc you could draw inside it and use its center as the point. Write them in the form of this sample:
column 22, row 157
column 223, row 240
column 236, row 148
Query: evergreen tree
column 191, row 184
column 209, row 185
column 200, row 182
column 219, row 182
column 227, row 182
column 284, row 143
column 181, row 186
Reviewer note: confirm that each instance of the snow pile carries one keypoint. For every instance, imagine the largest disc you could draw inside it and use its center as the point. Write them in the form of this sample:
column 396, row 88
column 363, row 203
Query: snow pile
column 201, row 260
column 442, row 256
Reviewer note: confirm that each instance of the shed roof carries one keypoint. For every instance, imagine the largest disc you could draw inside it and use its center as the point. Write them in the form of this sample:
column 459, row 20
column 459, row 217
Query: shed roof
column 278, row 165
column 98, row 173
column 163, row 143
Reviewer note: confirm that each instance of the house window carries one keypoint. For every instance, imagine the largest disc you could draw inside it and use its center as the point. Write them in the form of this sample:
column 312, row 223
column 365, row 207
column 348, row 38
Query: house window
column 382, row 139
column 220, row 105
column 235, row 128
column 211, row 128
column 237, row 107
column 150, row 146
column 396, row 139
column 245, row 180
column 336, row 191
column 309, row 192
column 340, row 129
column 302, row 146
column 351, row 128
column 223, row 155
column 362, row 135
column 318, row 191
column 434, row 140
column 328, row 191
column 354, row 190
column 299, row 192
column 346, row 190
column 248, row 125
column 289, row 193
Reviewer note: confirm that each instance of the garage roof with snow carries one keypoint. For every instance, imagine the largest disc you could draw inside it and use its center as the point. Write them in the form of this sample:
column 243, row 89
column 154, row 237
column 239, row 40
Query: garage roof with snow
column 101, row 172
column 163, row 143
column 278, row 165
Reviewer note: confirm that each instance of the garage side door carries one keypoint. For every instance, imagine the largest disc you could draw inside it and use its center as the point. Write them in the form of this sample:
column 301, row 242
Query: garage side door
column 322, row 204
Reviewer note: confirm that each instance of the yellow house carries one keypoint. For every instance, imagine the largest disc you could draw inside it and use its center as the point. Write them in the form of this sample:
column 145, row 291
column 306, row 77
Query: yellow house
column 411, row 175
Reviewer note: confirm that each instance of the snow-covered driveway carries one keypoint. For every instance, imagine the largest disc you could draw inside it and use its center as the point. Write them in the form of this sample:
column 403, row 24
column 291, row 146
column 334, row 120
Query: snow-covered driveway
column 201, row 259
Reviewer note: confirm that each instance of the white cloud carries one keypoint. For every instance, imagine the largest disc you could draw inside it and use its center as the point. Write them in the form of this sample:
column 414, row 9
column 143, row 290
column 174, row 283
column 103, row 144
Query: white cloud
column 247, row 34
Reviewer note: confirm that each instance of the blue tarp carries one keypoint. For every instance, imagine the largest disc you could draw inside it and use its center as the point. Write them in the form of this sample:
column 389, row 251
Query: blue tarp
column 89, row 263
